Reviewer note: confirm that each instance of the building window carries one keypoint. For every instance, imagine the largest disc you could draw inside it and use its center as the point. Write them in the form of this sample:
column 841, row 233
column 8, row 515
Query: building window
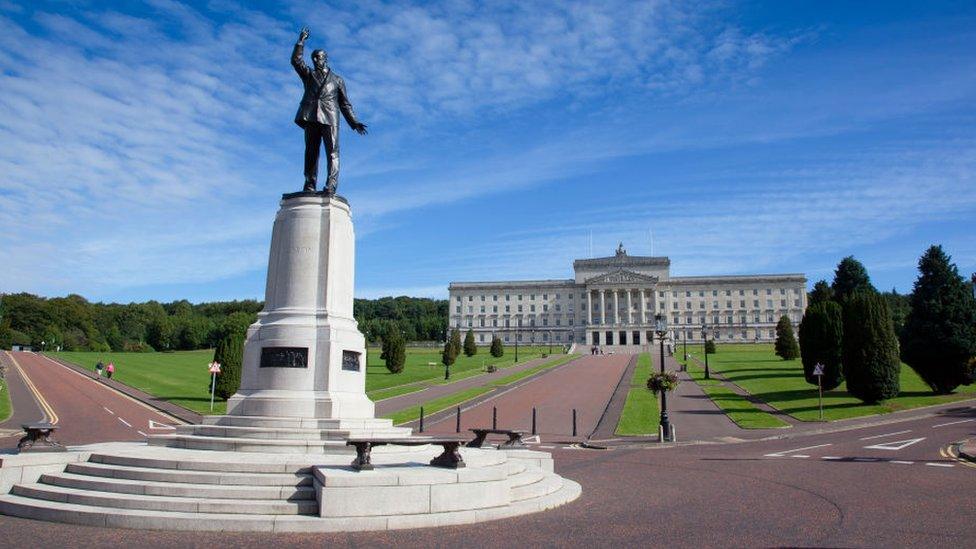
column 714, row 293
column 481, row 322
column 782, row 303
column 459, row 299
column 742, row 303
column 508, row 297
column 796, row 302
column 782, row 291
column 482, row 298
column 661, row 295
column 481, row 338
column 687, row 294
column 545, row 307
column 494, row 297
column 755, row 292
column 769, row 291
column 470, row 308
column 688, row 305
column 506, row 339
column 729, row 319
column 755, row 303
column 545, row 296
column 520, row 297
column 520, row 308
column 482, row 308
column 507, row 324
column 508, row 308
column 701, row 305
column 494, row 308
column 701, row 293
column 532, row 297
column 532, row 308
column 728, row 292
column 558, row 321
column 559, row 307
column 457, row 309
column 494, row 322
column 728, row 304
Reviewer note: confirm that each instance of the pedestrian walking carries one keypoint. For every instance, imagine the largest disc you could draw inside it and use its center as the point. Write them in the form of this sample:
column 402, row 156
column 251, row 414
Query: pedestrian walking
column 98, row 369
column 110, row 369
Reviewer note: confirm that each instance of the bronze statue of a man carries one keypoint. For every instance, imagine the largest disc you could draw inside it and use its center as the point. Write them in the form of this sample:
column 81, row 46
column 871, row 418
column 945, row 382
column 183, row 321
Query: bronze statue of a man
column 318, row 114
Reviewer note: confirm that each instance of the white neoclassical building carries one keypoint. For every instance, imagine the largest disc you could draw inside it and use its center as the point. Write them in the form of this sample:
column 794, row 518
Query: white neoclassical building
column 612, row 302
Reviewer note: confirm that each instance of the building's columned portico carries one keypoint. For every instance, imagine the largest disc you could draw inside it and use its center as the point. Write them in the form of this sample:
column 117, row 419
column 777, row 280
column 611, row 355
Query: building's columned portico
column 631, row 296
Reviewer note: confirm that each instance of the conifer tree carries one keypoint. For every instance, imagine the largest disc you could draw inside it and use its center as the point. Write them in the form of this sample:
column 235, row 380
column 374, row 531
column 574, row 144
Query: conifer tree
column 455, row 342
column 497, row 349
column 230, row 354
column 870, row 348
column 850, row 277
column 786, row 346
column 395, row 352
column 821, row 292
column 449, row 354
column 470, row 349
column 939, row 337
column 821, row 340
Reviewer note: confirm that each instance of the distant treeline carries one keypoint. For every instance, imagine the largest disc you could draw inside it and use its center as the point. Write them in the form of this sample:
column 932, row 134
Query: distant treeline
column 75, row 324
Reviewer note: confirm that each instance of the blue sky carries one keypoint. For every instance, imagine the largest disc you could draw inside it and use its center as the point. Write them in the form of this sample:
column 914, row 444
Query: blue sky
column 144, row 144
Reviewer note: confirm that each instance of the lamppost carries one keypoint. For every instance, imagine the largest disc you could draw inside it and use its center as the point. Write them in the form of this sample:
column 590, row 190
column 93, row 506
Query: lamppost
column 550, row 342
column 518, row 324
column 661, row 328
column 704, row 331
column 684, row 340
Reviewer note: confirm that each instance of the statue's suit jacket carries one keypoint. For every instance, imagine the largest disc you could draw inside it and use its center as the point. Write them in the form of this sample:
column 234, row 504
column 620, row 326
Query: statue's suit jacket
column 324, row 96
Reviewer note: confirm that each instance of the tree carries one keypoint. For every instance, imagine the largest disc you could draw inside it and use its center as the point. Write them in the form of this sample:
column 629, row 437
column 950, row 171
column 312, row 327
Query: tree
column 470, row 349
column 455, row 342
column 850, row 277
column 230, row 354
column 396, row 352
column 939, row 337
column 900, row 306
column 870, row 348
column 821, row 342
column 786, row 347
column 497, row 349
column 821, row 292
column 449, row 354
column 710, row 347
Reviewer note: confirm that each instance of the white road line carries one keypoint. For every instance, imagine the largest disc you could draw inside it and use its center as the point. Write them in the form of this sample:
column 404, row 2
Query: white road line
column 143, row 434
column 784, row 452
column 127, row 424
column 107, row 410
column 887, row 435
column 895, row 445
column 940, row 465
column 901, row 462
column 799, row 456
column 953, row 423
column 831, row 457
column 546, row 447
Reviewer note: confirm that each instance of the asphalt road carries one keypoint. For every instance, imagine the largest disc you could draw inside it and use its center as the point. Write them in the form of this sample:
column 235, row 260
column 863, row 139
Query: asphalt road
column 86, row 411
column 881, row 485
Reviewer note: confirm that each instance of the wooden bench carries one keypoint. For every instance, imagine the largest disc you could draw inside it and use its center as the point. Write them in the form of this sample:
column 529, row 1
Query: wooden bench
column 514, row 438
column 450, row 458
column 38, row 438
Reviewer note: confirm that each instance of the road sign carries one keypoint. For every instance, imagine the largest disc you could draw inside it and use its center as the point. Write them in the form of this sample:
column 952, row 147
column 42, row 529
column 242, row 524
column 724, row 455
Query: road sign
column 818, row 369
column 214, row 367
column 214, row 370
column 818, row 372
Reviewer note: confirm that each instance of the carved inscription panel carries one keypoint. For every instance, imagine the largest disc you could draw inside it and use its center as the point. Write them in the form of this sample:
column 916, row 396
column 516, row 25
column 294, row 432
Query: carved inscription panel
column 284, row 357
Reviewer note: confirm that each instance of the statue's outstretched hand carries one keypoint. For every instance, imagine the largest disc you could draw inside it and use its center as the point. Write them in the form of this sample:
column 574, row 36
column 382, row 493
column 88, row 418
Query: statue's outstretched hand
column 303, row 36
column 360, row 128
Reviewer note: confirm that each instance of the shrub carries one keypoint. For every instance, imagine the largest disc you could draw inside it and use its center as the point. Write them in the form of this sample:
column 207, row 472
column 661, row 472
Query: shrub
column 821, row 340
column 230, row 354
column 710, row 346
column 870, row 349
column 396, row 352
column 497, row 349
column 470, row 348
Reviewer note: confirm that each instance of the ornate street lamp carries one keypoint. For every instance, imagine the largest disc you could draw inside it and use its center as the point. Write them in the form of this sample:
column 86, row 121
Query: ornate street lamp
column 661, row 328
column 704, row 331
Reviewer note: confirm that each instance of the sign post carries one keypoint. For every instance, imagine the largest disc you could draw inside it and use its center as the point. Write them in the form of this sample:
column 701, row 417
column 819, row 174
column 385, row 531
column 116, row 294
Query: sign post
column 214, row 370
column 818, row 370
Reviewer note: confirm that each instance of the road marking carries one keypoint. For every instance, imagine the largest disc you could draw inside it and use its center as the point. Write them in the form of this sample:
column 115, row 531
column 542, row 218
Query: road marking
column 799, row 456
column 895, row 445
column 534, row 439
column 831, row 457
column 953, row 423
column 107, row 410
column 887, row 435
column 41, row 401
column 546, row 447
column 143, row 434
column 127, row 424
column 784, row 452
column 901, row 462
column 940, row 464
column 157, row 425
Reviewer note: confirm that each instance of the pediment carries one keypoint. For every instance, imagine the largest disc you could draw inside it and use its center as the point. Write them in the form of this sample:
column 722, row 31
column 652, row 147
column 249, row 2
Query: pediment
column 622, row 276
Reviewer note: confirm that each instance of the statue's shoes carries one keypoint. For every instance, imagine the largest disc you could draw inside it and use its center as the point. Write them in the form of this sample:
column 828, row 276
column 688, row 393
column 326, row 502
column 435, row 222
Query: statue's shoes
column 309, row 189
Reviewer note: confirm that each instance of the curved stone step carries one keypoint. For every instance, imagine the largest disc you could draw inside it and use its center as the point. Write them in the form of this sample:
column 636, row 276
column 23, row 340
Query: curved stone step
column 540, row 488
column 165, row 503
column 299, row 423
column 201, row 465
column 14, row 505
column 192, row 477
column 526, row 476
column 177, row 489
column 272, row 433
column 264, row 446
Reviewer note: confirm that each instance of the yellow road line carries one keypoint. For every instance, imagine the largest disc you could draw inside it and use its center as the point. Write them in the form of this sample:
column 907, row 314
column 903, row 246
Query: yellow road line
column 951, row 453
column 52, row 417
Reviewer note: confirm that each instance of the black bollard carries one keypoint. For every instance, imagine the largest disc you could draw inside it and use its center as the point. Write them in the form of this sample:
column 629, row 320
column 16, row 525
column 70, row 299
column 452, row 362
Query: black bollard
column 494, row 417
column 574, row 422
column 457, row 427
column 422, row 419
column 533, row 420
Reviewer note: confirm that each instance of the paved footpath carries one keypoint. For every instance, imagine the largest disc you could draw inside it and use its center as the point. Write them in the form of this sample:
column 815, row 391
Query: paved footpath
column 84, row 409
column 25, row 407
column 693, row 414
column 397, row 403
column 585, row 384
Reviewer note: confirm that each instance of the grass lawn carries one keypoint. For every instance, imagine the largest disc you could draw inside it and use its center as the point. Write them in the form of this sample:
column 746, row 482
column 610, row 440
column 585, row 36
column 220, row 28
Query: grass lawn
column 180, row 377
column 641, row 415
column 442, row 403
column 5, row 408
column 780, row 383
column 741, row 411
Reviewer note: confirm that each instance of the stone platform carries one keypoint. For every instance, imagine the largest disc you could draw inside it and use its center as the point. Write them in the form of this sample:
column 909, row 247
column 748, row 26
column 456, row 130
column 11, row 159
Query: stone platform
column 132, row 485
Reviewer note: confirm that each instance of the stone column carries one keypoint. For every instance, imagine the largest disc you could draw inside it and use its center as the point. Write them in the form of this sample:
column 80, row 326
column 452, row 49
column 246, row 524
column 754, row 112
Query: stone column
column 616, row 306
column 589, row 306
column 630, row 306
column 643, row 305
column 603, row 307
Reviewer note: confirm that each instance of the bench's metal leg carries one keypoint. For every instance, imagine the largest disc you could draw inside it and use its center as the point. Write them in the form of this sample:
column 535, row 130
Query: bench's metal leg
column 479, row 439
column 363, row 461
column 39, row 440
column 514, row 441
column 451, row 458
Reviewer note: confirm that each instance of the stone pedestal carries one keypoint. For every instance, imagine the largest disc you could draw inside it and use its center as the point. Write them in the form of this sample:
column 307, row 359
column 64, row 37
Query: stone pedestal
column 305, row 356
